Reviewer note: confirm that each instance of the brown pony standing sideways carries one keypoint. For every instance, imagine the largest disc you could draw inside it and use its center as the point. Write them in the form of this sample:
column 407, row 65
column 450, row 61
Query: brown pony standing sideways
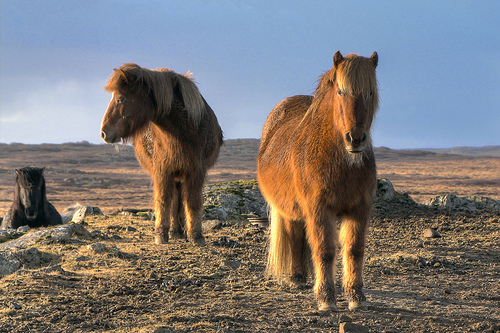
column 315, row 168
column 176, row 137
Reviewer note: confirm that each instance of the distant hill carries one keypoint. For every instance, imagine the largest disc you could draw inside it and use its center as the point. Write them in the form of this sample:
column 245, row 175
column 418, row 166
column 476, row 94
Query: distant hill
column 250, row 147
column 493, row 151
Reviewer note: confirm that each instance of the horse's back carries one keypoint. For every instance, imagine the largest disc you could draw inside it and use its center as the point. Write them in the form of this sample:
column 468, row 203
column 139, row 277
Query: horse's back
column 287, row 113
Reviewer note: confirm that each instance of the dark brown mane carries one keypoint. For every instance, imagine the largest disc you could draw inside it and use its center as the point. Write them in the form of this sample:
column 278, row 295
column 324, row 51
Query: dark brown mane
column 160, row 84
column 29, row 176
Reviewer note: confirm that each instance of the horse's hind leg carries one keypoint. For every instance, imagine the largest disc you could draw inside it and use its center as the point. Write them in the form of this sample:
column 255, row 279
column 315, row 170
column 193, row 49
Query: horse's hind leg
column 296, row 235
column 176, row 214
column 163, row 189
column 192, row 198
column 322, row 235
column 352, row 236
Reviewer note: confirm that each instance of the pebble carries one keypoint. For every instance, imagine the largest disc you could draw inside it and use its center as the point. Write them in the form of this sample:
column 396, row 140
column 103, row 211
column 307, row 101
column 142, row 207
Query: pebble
column 15, row 306
column 233, row 263
column 96, row 247
column 24, row 228
column 352, row 328
column 345, row 319
column 431, row 233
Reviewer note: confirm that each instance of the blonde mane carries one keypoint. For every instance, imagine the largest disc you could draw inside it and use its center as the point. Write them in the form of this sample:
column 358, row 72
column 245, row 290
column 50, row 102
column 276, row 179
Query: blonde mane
column 355, row 76
column 160, row 83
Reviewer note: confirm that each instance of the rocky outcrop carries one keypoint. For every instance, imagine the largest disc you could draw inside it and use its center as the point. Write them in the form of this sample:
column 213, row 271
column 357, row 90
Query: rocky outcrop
column 224, row 201
column 77, row 213
column 451, row 201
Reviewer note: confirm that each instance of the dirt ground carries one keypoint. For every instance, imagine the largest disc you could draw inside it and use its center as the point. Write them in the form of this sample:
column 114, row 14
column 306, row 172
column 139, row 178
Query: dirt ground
column 412, row 283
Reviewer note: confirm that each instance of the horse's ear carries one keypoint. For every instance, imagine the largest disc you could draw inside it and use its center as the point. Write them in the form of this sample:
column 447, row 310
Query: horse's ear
column 125, row 77
column 337, row 59
column 374, row 58
column 18, row 172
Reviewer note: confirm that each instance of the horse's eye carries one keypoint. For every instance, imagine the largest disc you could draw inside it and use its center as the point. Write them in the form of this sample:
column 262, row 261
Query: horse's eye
column 340, row 93
column 119, row 99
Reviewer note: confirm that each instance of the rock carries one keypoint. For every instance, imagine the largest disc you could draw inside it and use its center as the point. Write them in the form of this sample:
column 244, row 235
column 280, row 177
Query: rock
column 345, row 319
column 451, row 202
column 23, row 229
column 225, row 242
column 58, row 234
column 131, row 229
column 29, row 258
column 216, row 213
column 432, row 233
column 352, row 328
column 234, row 264
column 233, row 198
column 77, row 213
column 97, row 247
column 84, row 211
column 9, row 263
column 212, row 225
column 15, row 306
column 98, row 234
column 385, row 189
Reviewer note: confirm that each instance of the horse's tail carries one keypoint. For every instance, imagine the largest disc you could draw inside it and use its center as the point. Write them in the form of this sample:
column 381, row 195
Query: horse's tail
column 279, row 256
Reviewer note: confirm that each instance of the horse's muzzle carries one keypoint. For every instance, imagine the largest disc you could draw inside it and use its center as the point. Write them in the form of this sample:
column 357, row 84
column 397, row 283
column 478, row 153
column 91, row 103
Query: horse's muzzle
column 109, row 138
column 31, row 213
column 355, row 144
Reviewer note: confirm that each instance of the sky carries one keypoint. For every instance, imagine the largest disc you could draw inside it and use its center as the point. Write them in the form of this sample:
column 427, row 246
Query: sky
column 438, row 71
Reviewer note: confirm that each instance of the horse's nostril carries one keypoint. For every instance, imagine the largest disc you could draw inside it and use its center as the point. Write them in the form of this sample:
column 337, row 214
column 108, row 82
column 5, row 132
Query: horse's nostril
column 103, row 135
column 363, row 137
column 348, row 137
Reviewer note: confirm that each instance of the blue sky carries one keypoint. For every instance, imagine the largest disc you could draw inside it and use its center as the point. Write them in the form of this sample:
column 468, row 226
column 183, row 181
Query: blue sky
column 439, row 62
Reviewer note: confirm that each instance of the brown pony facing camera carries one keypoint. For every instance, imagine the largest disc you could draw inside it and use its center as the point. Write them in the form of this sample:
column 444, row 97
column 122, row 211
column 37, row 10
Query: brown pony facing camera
column 316, row 168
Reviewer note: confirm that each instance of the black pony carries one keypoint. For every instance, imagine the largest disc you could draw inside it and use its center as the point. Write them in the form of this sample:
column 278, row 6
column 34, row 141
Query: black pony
column 30, row 206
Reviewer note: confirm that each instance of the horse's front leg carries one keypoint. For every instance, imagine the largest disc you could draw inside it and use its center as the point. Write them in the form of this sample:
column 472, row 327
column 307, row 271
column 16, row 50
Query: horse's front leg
column 164, row 187
column 353, row 238
column 322, row 235
column 192, row 198
column 176, row 214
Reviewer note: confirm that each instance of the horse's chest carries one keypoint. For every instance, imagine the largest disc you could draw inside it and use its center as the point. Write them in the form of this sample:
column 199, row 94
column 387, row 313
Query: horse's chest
column 345, row 188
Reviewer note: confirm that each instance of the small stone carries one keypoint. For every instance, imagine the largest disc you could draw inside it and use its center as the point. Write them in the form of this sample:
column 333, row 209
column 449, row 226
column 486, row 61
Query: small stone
column 97, row 247
column 23, row 229
column 431, row 233
column 131, row 229
column 115, row 237
column 352, row 328
column 162, row 329
column 345, row 319
column 15, row 306
column 233, row 263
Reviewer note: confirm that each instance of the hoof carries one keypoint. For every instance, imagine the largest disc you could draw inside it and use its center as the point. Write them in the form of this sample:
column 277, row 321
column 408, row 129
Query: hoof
column 327, row 306
column 161, row 240
column 357, row 305
column 175, row 235
column 298, row 280
column 356, row 299
column 199, row 240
